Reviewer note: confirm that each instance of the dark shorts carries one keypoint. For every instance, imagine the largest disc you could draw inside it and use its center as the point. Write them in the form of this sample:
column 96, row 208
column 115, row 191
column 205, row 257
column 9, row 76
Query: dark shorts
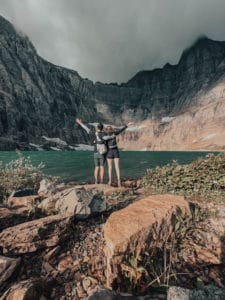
column 99, row 159
column 113, row 153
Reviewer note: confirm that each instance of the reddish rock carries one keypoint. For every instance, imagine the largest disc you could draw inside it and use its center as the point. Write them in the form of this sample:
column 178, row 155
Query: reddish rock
column 206, row 247
column 11, row 217
column 130, row 184
column 26, row 201
column 37, row 234
column 105, row 189
column 68, row 263
column 31, row 289
column 7, row 267
column 89, row 283
column 52, row 253
column 142, row 225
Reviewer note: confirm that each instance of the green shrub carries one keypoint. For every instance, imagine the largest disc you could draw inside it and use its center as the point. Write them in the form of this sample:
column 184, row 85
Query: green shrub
column 204, row 178
column 19, row 174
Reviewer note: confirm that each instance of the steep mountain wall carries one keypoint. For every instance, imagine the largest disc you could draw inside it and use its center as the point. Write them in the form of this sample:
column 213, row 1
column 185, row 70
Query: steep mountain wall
column 39, row 99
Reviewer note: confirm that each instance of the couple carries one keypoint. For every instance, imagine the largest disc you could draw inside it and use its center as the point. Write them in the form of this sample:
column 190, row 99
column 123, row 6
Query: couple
column 105, row 147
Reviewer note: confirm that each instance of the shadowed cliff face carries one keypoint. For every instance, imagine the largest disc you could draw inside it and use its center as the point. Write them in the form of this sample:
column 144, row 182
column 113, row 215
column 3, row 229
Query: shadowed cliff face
column 38, row 98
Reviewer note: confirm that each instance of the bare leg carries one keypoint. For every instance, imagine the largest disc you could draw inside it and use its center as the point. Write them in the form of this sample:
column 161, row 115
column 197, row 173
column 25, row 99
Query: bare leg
column 96, row 174
column 109, row 162
column 117, row 167
column 102, row 171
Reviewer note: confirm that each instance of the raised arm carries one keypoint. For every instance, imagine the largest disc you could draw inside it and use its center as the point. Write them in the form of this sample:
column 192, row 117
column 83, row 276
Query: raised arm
column 79, row 121
column 116, row 132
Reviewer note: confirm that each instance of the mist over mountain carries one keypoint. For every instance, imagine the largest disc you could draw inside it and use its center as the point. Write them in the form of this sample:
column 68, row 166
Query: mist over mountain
column 39, row 99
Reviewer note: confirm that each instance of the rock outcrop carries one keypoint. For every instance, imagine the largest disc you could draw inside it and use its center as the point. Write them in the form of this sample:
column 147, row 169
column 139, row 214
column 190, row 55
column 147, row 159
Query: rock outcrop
column 139, row 227
column 59, row 257
column 39, row 99
column 34, row 235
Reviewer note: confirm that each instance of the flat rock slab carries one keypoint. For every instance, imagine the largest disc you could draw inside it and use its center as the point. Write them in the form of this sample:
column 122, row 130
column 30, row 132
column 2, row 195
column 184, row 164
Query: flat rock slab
column 106, row 189
column 11, row 217
column 31, row 289
column 7, row 267
column 140, row 226
column 34, row 235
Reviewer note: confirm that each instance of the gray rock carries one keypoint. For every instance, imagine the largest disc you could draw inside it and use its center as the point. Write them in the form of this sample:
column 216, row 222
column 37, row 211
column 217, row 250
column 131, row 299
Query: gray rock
column 81, row 203
column 178, row 293
column 106, row 294
column 77, row 201
column 47, row 188
column 209, row 292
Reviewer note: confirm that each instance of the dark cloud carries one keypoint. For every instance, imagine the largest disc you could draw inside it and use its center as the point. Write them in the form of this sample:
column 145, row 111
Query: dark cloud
column 110, row 41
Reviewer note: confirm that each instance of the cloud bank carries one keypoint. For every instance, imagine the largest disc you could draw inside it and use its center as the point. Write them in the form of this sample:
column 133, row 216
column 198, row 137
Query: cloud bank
column 110, row 41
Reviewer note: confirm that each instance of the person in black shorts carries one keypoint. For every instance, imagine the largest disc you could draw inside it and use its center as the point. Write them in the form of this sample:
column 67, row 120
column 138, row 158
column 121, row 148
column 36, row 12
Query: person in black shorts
column 113, row 152
column 98, row 137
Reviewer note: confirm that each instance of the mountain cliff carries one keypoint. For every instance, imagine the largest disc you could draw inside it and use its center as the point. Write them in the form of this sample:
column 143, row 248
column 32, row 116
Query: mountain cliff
column 39, row 99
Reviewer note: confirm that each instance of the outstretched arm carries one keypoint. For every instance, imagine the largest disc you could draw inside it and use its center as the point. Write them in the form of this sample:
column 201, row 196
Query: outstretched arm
column 123, row 128
column 79, row 121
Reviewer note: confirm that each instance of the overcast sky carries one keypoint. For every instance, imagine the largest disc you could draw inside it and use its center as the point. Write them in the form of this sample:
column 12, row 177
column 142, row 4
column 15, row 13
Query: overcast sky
column 111, row 40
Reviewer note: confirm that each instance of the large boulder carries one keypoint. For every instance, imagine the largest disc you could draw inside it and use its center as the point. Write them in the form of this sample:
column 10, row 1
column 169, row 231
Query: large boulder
column 140, row 227
column 77, row 201
column 34, row 235
column 7, row 267
column 31, row 289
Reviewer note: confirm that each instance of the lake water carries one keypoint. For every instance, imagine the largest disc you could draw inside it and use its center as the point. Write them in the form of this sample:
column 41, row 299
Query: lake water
column 78, row 165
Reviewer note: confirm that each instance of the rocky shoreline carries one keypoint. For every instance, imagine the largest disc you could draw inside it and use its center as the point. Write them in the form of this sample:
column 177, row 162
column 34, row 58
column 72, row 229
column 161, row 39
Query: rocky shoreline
column 100, row 242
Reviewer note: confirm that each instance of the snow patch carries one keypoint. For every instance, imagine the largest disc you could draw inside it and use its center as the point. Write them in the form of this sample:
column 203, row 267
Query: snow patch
column 208, row 137
column 135, row 127
column 38, row 147
column 55, row 140
column 167, row 119
column 55, row 149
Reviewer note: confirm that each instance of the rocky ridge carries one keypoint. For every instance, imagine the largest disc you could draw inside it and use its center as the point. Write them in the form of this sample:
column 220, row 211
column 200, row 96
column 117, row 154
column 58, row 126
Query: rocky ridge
column 77, row 250
column 40, row 99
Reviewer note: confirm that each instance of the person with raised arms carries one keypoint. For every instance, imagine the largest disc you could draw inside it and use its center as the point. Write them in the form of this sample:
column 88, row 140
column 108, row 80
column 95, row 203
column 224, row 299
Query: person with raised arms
column 98, row 138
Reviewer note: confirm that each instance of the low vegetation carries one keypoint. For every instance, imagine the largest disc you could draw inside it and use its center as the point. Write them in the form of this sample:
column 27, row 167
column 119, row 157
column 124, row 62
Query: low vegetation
column 203, row 178
column 19, row 174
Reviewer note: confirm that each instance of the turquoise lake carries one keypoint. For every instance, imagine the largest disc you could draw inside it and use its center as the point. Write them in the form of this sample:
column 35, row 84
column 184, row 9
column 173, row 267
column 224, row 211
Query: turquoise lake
column 78, row 165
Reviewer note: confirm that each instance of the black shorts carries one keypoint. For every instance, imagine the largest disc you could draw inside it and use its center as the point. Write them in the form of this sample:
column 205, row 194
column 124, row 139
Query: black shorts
column 113, row 153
